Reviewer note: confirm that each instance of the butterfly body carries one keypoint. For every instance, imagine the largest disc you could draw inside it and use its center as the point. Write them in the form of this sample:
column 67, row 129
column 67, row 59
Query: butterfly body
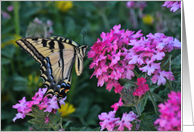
column 56, row 56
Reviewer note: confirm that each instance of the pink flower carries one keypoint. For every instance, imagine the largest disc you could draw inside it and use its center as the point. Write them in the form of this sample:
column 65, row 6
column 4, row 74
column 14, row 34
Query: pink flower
column 150, row 67
column 48, row 104
column 130, row 4
column 23, row 106
column 159, row 77
column 108, row 120
column 47, row 119
column 173, row 5
column 49, row 23
column 170, row 118
column 136, row 4
column 116, row 105
column 51, row 104
column 18, row 115
column 142, row 87
column 10, row 8
column 114, row 58
column 5, row 15
column 125, row 121
column 111, row 123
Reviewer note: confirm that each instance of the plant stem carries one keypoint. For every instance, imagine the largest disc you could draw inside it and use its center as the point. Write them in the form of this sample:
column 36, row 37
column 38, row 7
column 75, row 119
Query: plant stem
column 54, row 128
column 16, row 18
column 137, row 108
column 153, row 102
column 105, row 20
column 73, row 85
column 136, row 74
column 161, row 100
column 169, row 86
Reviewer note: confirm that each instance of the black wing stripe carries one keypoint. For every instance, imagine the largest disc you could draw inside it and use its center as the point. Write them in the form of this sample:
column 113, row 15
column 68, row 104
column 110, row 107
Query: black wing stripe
column 71, row 68
column 30, row 49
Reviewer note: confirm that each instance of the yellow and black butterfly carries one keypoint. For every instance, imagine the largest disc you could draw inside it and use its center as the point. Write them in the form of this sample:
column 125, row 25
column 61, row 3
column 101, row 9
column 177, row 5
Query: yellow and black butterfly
column 56, row 55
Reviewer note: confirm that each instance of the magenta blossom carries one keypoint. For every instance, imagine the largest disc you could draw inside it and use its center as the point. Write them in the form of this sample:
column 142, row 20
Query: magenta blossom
column 173, row 5
column 48, row 104
column 136, row 4
column 108, row 61
column 116, row 105
column 111, row 123
column 47, row 119
column 170, row 118
column 142, row 87
column 5, row 15
column 108, row 120
column 10, row 8
column 125, row 121
column 119, row 51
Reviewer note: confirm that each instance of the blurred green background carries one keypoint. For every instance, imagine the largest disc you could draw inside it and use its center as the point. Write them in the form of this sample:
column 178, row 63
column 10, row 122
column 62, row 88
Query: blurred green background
column 20, row 73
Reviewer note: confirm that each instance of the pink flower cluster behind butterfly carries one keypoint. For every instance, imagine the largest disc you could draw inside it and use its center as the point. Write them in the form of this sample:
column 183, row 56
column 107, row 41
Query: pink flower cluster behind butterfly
column 170, row 118
column 119, row 51
column 48, row 104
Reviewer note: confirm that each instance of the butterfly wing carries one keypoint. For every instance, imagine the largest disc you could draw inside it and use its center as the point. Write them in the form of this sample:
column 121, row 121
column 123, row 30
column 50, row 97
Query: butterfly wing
column 56, row 59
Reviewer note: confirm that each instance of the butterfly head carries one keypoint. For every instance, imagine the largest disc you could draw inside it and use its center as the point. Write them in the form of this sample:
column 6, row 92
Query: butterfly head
column 82, row 50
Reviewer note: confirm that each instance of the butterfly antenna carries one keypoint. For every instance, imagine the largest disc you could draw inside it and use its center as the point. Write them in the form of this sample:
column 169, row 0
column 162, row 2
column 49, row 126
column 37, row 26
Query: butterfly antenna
column 84, row 43
column 83, row 35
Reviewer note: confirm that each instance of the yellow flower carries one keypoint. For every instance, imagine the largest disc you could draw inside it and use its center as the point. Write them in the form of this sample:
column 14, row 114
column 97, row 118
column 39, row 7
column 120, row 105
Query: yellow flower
column 63, row 5
column 66, row 109
column 11, row 41
column 34, row 79
column 148, row 19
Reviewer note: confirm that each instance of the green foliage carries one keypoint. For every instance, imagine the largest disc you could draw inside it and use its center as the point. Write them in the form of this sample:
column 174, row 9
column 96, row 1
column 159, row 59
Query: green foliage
column 20, row 73
column 147, row 120
column 84, row 129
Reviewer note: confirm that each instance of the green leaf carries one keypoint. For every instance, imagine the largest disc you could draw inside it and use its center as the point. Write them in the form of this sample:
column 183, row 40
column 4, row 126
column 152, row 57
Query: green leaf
column 96, row 129
column 70, row 25
column 8, row 51
column 66, row 124
column 177, row 61
column 31, row 12
column 163, row 93
column 147, row 121
column 141, row 105
column 84, row 129
column 4, row 61
column 7, row 115
column 92, row 115
column 157, row 98
column 20, row 83
column 89, row 6
column 7, row 30
column 82, row 109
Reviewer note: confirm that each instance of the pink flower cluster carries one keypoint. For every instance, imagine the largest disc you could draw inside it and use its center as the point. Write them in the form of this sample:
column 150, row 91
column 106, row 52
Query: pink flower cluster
column 111, row 123
column 170, row 118
column 142, row 87
column 115, row 56
column 48, row 104
column 136, row 4
column 173, row 5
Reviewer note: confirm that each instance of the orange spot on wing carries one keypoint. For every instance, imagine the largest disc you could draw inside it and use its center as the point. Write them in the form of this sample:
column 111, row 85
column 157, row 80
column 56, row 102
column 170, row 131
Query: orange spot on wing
column 66, row 90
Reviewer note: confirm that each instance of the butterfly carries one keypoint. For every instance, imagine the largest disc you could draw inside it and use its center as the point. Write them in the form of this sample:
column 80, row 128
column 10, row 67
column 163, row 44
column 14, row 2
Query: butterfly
column 56, row 56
